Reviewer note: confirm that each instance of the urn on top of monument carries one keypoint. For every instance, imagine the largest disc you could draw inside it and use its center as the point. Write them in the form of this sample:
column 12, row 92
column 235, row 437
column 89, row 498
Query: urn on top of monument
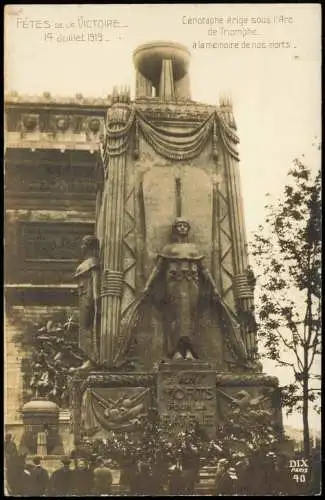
column 162, row 68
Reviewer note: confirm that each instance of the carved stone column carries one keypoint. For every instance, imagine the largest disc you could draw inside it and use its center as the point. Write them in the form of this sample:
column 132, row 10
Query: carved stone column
column 118, row 124
column 143, row 86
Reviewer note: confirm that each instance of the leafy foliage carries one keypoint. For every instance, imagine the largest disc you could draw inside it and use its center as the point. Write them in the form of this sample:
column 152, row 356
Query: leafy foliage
column 287, row 252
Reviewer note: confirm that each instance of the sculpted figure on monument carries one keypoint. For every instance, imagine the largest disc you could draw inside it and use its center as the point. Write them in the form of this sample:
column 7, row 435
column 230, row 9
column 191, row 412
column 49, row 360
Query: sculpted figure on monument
column 179, row 264
column 176, row 284
column 87, row 274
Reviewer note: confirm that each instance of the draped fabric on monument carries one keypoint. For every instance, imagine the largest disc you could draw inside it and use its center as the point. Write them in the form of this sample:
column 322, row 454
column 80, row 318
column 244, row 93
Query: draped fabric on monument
column 176, row 145
column 173, row 144
column 125, row 124
column 102, row 409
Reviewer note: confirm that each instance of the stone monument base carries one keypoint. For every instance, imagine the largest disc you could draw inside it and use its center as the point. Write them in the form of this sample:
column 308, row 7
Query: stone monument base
column 183, row 392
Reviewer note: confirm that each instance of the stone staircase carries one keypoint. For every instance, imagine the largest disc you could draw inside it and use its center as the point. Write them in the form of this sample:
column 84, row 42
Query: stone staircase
column 207, row 479
column 205, row 487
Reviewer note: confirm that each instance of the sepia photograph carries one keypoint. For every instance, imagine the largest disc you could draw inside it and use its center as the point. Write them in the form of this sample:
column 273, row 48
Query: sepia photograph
column 162, row 250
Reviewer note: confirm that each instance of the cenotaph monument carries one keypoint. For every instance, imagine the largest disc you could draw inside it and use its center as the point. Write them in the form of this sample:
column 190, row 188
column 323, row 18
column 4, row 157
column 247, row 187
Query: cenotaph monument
column 166, row 291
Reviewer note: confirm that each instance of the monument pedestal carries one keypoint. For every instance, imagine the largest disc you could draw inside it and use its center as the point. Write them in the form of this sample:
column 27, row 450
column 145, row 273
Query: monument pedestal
column 184, row 392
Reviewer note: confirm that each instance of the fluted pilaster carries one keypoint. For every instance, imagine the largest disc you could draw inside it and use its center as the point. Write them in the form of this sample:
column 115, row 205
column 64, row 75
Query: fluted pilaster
column 112, row 254
column 112, row 259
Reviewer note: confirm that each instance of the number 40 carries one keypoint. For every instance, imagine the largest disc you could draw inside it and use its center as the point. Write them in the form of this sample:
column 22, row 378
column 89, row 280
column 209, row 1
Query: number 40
column 300, row 479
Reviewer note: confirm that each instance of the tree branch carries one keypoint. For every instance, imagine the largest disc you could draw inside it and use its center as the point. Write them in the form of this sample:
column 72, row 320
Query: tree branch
column 293, row 347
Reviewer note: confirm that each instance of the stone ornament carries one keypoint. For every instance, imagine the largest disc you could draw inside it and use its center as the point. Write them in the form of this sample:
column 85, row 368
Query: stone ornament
column 62, row 123
column 59, row 100
column 94, row 125
column 30, row 122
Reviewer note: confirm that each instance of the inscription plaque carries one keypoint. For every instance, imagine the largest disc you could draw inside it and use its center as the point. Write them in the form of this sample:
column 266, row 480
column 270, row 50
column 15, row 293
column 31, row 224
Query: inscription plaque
column 187, row 395
column 51, row 179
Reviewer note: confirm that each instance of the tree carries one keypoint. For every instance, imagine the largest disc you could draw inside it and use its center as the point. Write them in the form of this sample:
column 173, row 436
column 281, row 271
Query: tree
column 287, row 253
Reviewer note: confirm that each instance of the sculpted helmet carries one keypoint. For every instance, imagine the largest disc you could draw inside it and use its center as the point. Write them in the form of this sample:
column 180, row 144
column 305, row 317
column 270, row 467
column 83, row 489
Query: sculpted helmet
column 183, row 222
column 89, row 243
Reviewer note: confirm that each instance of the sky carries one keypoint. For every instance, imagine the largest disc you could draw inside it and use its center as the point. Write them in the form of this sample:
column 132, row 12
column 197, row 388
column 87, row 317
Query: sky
column 275, row 86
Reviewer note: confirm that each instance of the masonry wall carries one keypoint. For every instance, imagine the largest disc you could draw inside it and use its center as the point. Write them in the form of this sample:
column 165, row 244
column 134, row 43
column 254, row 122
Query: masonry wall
column 44, row 225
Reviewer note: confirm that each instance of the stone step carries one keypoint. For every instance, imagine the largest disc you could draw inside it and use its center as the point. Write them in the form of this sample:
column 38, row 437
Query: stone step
column 208, row 473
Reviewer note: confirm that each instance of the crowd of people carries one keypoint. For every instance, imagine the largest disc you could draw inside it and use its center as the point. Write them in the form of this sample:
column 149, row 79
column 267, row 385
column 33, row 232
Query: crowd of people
column 91, row 475
column 75, row 477
column 80, row 476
